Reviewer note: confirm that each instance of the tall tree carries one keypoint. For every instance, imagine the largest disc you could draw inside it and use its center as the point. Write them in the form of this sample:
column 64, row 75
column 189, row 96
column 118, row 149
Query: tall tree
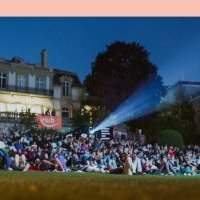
column 119, row 71
column 81, row 120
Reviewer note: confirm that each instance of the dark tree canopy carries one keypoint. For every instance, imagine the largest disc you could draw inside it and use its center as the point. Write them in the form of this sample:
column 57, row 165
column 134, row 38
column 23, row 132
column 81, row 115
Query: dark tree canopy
column 179, row 117
column 118, row 71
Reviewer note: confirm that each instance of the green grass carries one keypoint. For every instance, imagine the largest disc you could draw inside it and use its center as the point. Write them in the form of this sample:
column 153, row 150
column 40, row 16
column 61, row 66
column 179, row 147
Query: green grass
column 21, row 186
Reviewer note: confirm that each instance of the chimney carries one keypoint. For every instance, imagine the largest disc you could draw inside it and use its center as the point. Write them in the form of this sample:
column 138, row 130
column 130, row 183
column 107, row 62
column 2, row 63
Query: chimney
column 44, row 58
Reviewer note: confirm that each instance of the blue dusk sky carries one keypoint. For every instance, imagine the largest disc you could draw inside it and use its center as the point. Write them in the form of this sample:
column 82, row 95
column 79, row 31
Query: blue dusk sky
column 73, row 43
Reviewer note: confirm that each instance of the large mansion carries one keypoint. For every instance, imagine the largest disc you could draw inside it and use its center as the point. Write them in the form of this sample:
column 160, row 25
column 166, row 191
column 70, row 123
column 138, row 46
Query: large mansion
column 39, row 88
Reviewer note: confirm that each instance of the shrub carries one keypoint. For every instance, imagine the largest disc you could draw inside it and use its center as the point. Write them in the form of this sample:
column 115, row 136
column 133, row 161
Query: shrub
column 171, row 137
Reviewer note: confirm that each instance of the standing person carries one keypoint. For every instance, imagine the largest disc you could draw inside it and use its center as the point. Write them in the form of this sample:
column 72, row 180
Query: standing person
column 127, row 168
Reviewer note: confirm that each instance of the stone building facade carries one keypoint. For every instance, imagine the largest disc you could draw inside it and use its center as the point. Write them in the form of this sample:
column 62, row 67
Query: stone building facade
column 38, row 87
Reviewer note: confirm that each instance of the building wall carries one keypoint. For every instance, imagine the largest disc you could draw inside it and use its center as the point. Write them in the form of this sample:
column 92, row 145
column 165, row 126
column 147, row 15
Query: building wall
column 31, row 71
column 31, row 80
column 13, row 99
column 57, row 92
column 11, row 78
column 47, row 82
column 17, row 102
column 57, row 106
column 73, row 99
column 77, row 93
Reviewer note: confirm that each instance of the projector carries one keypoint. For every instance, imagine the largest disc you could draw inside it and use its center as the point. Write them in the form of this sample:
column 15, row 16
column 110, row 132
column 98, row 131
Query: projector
column 104, row 134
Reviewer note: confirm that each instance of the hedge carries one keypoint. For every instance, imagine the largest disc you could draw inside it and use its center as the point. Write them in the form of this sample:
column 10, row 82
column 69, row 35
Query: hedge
column 171, row 138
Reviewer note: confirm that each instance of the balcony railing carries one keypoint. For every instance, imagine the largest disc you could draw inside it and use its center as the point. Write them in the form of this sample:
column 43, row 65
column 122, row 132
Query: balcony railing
column 10, row 116
column 28, row 90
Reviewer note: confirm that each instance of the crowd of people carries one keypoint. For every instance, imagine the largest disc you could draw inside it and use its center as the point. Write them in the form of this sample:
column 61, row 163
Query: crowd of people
column 33, row 151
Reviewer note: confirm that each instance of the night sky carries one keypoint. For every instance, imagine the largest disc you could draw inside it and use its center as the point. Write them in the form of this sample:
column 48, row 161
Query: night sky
column 73, row 43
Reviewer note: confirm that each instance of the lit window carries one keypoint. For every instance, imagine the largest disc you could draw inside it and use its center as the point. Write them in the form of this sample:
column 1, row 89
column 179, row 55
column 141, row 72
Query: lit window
column 41, row 83
column 21, row 81
column 66, row 88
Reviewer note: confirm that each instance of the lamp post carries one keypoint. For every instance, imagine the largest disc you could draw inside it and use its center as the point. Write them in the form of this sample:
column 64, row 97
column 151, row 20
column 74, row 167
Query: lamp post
column 88, row 110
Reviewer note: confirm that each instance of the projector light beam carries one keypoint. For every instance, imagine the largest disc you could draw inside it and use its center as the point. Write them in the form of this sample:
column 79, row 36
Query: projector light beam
column 144, row 101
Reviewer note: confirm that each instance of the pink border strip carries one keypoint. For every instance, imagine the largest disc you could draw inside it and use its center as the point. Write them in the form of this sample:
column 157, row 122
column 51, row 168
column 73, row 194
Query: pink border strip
column 99, row 7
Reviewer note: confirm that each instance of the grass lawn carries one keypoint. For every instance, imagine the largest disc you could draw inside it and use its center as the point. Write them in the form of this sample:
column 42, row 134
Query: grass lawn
column 35, row 185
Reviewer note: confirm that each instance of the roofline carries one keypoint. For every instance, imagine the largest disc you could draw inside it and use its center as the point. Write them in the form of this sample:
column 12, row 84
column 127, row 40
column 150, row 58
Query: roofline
column 64, row 71
column 188, row 82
